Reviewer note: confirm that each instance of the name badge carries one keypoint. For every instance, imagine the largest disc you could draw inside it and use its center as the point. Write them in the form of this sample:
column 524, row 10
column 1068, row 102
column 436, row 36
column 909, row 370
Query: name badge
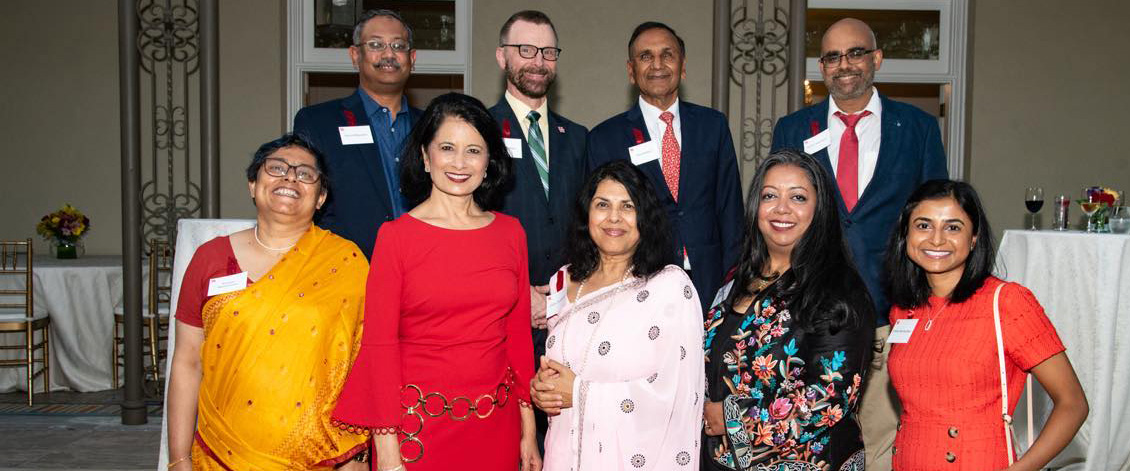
column 351, row 135
column 818, row 142
column 513, row 147
column 644, row 153
column 900, row 333
column 227, row 284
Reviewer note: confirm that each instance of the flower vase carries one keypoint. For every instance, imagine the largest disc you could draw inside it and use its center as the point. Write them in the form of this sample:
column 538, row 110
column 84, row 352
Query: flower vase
column 66, row 249
column 1102, row 219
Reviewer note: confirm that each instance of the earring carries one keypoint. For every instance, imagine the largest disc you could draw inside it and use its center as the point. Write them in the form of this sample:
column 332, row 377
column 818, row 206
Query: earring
column 427, row 170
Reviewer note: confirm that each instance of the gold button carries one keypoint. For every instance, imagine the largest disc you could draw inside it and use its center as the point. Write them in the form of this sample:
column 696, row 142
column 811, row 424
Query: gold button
column 950, row 457
column 953, row 432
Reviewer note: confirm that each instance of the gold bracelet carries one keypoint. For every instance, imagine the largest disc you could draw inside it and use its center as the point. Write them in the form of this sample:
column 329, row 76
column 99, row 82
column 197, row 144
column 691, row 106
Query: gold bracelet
column 399, row 467
column 170, row 466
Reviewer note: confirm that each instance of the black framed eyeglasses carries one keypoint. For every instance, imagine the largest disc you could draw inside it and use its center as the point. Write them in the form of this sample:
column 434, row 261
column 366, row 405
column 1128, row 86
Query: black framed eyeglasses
column 277, row 167
column 854, row 55
column 377, row 45
column 529, row 51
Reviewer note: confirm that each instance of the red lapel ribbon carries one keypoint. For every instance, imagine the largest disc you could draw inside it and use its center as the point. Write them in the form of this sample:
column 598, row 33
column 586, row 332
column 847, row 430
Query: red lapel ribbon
column 350, row 120
column 815, row 127
column 638, row 135
column 560, row 280
column 506, row 128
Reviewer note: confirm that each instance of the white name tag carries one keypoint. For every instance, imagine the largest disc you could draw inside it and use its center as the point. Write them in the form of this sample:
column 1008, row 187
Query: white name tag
column 817, row 143
column 900, row 333
column 513, row 147
column 351, row 135
column 227, row 284
column 555, row 301
column 644, row 153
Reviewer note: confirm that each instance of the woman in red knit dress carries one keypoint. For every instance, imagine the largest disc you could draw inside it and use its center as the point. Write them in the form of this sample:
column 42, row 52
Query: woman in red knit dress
column 442, row 376
column 947, row 373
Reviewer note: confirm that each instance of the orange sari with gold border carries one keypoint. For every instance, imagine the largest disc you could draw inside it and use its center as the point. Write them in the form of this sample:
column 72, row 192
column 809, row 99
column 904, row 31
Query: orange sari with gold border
column 274, row 358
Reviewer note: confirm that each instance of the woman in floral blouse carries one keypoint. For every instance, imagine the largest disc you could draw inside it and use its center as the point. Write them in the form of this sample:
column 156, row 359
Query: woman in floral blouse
column 788, row 338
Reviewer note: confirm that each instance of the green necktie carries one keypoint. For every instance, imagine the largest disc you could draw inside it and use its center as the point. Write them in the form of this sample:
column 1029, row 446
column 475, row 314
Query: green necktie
column 537, row 148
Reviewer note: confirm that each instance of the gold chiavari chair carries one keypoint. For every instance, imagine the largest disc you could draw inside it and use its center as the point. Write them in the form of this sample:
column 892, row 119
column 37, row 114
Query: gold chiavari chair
column 18, row 316
column 155, row 317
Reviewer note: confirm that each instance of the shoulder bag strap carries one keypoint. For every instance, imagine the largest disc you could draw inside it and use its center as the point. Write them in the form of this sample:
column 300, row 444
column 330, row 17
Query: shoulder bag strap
column 1004, row 376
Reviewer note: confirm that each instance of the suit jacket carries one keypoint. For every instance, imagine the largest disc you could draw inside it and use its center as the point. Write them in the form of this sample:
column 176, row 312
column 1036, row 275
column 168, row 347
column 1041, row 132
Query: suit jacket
column 545, row 220
column 358, row 202
column 910, row 153
column 708, row 217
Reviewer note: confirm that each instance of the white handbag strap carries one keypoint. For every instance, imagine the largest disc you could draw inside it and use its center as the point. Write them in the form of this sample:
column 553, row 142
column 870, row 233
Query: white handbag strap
column 1004, row 382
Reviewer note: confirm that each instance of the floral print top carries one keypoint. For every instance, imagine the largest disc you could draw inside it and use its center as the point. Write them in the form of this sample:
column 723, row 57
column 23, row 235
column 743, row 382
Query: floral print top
column 788, row 394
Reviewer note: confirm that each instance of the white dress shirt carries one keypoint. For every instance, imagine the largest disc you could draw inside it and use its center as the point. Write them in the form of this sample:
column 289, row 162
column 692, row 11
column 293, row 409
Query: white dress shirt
column 521, row 111
column 655, row 129
column 868, row 130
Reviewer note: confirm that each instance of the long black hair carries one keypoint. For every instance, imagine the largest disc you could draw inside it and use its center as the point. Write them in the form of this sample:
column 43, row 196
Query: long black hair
column 416, row 184
column 655, row 249
column 821, row 283
column 907, row 286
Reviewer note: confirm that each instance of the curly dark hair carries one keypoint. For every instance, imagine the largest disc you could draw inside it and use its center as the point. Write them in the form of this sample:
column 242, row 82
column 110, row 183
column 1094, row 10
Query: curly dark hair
column 907, row 286
column 655, row 249
column 416, row 184
column 821, row 284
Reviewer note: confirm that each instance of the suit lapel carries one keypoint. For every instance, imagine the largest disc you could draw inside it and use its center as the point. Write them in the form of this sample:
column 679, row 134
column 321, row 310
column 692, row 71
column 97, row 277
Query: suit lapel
column 525, row 168
column 370, row 154
column 692, row 139
column 559, row 167
column 889, row 144
column 652, row 169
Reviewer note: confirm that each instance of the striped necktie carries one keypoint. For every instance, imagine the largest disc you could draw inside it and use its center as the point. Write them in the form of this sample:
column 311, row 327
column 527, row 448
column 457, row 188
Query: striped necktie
column 537, row 148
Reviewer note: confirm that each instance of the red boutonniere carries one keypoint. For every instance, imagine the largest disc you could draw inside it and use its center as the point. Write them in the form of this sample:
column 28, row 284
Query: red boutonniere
column 638, row 135
column 506, row 128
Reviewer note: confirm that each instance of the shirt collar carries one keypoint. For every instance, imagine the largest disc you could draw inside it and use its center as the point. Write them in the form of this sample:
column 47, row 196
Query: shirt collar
column 521, row 110
column 874, row 105
column 651, row 113
column 372, row 107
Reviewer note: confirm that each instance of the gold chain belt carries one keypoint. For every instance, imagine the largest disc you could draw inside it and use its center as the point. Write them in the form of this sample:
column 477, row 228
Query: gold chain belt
column 435, row 404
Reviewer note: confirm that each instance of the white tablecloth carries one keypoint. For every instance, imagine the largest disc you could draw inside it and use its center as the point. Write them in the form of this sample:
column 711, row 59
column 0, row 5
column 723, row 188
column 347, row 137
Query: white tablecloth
column 1083, row 282
column 80, row 296
column 191, row 233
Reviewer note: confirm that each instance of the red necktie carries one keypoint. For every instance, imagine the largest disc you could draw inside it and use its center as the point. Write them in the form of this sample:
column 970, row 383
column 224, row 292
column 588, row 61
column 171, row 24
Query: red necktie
column 847, row 168
column 670, row 155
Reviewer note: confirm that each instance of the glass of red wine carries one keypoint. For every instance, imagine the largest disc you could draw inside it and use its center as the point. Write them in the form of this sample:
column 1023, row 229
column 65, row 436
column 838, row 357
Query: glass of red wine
column 1033, row 200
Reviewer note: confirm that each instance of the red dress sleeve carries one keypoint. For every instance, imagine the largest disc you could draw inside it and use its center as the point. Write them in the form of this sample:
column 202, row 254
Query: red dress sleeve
column 212, row 259
column 519, row 342
column 1029, row 337
column 371, row 396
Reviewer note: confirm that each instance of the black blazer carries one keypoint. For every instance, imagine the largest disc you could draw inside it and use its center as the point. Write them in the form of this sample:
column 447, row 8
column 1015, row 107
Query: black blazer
column 545, row 221
column 910, row 153
column 708, row 217
column 359, row 201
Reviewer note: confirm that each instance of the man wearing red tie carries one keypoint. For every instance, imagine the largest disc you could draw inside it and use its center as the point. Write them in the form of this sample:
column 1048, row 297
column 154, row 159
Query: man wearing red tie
column 880, row 150
column 687, row 153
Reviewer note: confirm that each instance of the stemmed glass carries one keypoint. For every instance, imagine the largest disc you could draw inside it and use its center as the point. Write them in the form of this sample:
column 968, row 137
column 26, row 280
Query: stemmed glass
column 1089, row 206
column 1034, row 200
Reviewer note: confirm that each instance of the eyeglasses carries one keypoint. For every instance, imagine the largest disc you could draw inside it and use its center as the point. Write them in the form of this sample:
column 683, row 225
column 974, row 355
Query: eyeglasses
column 854, row 56
column 277, row 167
column 529, row 51
column 397, row 47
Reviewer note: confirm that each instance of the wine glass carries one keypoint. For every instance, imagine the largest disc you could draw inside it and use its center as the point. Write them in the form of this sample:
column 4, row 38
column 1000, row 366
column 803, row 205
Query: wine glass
column 1089, row 205
column 1034, row 200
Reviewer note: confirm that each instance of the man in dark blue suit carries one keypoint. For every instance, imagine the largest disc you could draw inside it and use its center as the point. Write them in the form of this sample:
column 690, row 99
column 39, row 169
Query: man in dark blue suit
column 880, row 150
column 363, row 134
column 687, row 153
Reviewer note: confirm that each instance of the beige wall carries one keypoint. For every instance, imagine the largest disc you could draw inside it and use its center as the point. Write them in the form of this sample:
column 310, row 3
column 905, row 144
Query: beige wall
column 60, row 110
column 1048, row 101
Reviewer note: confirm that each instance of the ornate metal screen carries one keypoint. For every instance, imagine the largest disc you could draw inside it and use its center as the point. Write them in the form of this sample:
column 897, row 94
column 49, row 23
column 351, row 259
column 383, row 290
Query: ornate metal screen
column 759, row 60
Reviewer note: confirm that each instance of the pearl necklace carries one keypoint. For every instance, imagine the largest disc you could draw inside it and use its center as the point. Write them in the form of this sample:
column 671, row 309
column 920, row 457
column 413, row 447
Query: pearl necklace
column 261, row 244
column 599, row 322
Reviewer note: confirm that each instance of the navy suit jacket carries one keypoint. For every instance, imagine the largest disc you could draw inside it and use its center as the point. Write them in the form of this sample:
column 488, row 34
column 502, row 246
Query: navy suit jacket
column 708, row 218
column 545, row 220
column 358, row 202
column 910, row 153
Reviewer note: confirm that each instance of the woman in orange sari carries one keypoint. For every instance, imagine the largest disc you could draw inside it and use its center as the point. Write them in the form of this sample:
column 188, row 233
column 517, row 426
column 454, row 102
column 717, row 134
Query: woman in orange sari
column 268, row 324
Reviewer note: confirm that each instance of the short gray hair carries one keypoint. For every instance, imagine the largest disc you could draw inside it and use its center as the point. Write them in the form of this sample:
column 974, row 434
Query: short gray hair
column 370, row 14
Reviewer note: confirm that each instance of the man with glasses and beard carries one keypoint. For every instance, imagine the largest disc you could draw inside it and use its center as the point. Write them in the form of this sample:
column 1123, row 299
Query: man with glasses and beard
column 880, row 150
column 363, row 134
column 548, row 151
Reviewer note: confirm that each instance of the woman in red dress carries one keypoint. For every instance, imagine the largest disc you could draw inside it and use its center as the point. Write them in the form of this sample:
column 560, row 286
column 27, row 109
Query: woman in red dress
column 947, row 373
column 442, row 376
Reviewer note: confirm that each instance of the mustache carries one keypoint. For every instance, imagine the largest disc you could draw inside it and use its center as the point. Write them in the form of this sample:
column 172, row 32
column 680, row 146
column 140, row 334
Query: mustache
column 533, row 69
column 388, row 61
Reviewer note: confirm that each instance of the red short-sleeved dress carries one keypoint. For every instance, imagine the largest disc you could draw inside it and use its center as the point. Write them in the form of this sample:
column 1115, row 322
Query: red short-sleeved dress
column 447, row 317
column 948, row 377
column 213, row 259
